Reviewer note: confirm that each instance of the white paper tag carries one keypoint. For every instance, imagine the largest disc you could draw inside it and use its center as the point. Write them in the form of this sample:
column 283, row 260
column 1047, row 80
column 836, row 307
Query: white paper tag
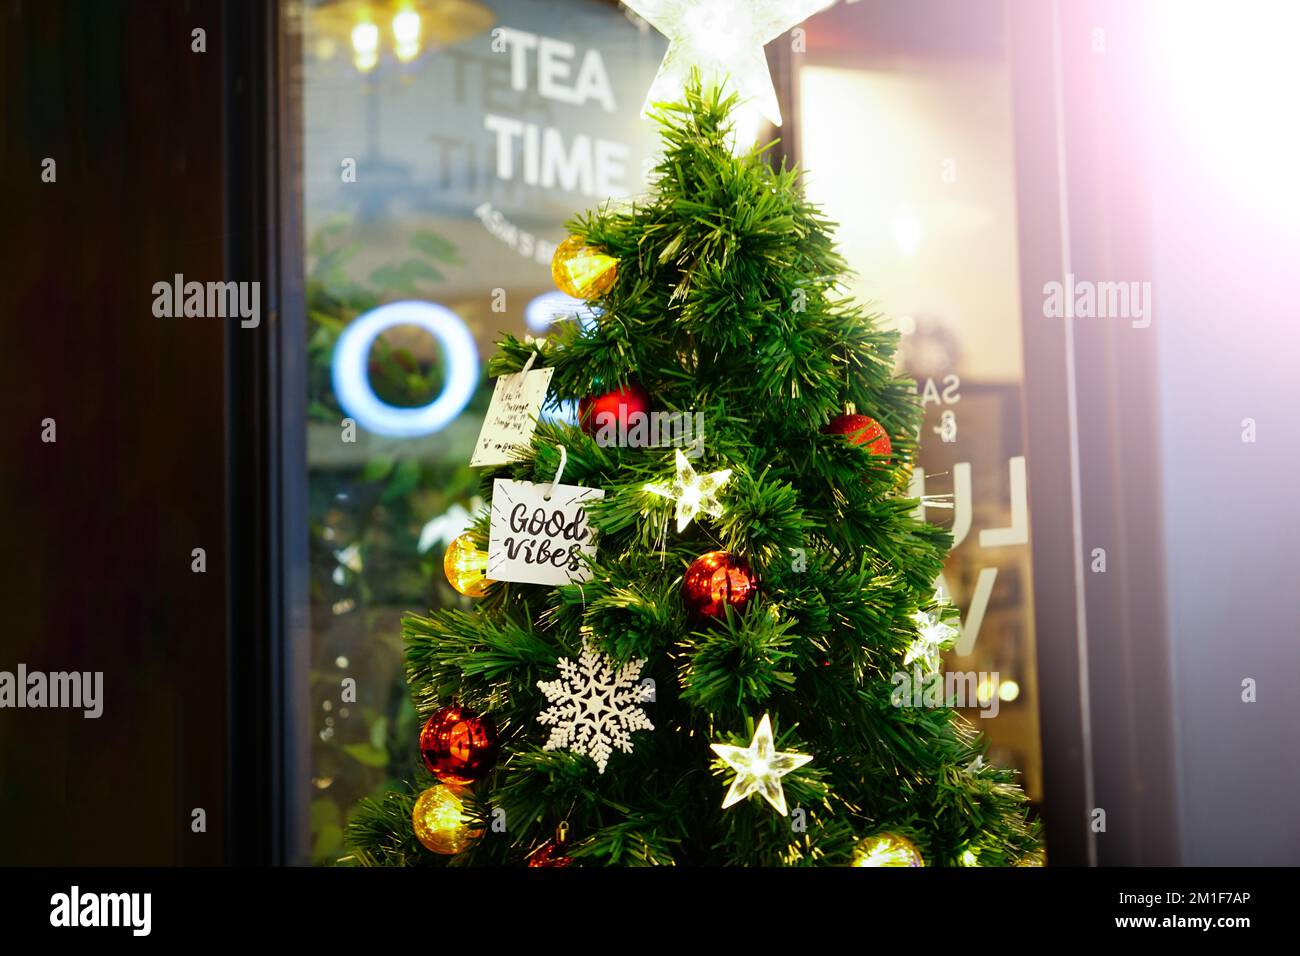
column 535, row 541
column 511, row 416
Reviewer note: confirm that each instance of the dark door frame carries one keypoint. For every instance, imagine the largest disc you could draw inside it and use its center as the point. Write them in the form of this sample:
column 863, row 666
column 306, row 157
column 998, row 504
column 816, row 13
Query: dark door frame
column 1092, row 419
column 1060, row 619
column 266, row 440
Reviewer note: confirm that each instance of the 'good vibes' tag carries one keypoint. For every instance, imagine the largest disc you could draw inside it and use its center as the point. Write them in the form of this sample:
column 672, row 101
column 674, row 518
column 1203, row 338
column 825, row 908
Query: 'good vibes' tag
column 511, row 416
column 535, row 541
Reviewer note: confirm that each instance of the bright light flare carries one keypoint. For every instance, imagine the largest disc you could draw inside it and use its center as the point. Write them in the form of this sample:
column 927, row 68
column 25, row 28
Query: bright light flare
column 1226, row 77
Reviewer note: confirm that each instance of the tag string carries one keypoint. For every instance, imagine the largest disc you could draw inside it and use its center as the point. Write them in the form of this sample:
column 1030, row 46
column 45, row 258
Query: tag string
column 559, row 473
column 529, row 364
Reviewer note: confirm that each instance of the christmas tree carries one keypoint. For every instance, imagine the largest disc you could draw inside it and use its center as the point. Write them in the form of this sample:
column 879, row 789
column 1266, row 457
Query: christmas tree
column 715, row 665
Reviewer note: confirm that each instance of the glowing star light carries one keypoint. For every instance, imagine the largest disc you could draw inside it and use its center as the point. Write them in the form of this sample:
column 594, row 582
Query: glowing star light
column 759, row 768
column 933, row 636
column 693, row 492
column 724, row 39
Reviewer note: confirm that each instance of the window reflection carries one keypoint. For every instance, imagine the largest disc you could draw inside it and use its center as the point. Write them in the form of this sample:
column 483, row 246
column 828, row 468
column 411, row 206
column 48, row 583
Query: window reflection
column 906, row 133
column 445, row 144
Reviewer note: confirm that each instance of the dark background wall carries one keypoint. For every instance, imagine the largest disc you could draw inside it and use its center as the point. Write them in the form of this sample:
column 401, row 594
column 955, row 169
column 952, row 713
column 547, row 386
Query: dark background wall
column 99, row 526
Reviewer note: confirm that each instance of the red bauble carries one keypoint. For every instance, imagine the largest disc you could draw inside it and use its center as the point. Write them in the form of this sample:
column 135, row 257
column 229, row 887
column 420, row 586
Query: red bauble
column 596, row 411
column 861, row 430
column 458, row 746
column 715, row 580
column 550, row 854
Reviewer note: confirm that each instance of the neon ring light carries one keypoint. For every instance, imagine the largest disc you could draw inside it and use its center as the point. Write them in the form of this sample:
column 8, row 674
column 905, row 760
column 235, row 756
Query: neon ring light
column 352, row 356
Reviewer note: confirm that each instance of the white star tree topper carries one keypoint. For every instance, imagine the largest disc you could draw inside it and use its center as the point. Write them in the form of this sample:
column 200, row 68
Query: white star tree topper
column 724, row 39
column 759, row 768
column 693, row 492
column 594, row 706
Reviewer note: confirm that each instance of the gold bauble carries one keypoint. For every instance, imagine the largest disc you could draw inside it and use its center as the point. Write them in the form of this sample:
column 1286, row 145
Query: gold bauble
column 466, row 567
column 581, row 271
column 886, row 849
column 1036, row 858
column 440, row 822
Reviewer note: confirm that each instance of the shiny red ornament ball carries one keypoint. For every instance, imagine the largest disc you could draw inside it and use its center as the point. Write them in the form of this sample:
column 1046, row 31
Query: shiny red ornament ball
column 458, row 746
column 715, row 580
column 612, row 408
column 550, row 854
column 861, row 430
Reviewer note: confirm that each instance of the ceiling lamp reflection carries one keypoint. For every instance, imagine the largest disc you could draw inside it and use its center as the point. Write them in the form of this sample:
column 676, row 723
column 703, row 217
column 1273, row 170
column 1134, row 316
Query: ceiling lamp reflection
column 406, row 35
column 406, row 28
column 365, row 46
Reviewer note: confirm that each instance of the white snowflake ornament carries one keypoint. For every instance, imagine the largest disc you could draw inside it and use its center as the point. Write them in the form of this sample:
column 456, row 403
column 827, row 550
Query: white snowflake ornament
column 595, row 707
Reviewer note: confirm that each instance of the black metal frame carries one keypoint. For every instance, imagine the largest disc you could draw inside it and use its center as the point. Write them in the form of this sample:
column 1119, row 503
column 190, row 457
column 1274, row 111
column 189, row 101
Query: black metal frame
column 266, row 439
column 1103, row 658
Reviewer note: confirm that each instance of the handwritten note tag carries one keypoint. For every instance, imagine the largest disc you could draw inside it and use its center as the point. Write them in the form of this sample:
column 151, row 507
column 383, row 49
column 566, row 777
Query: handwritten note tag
column 511, row 416
column 535, row 541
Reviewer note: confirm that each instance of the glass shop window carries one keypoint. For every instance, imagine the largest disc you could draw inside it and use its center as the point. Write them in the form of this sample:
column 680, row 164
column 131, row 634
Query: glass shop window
column 445, row 144
column 906, row 132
